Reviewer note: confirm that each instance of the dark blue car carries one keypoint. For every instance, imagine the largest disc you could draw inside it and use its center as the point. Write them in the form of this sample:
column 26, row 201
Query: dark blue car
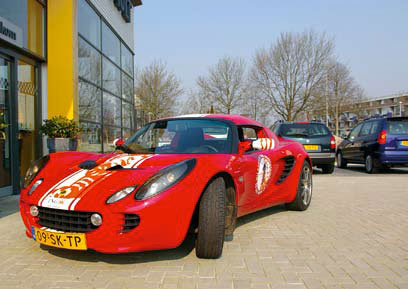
column 379, row 143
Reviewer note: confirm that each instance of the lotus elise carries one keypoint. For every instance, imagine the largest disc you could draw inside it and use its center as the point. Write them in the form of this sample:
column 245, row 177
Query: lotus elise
column 196, row 173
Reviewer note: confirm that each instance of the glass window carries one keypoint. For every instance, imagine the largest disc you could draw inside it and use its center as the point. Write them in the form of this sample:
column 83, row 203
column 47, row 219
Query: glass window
column 89, row 102
column 27, row 18
column 354, row 133
column 109, row 135
column 111, row 110
column 374, row 128
column 127, row 114
column 303, row 129
column 127, row 60
column 27, row 100
column 90, row 137
column 398, row 126
column 248, row 133
column 182, row 137
column 89, row 62
column 111, row 77
column 89, row 23
column 365, row 130
column 127, row 88
column 110, row 44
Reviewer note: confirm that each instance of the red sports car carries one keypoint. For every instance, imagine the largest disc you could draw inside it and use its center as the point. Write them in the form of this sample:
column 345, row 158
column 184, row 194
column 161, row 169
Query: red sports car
column 198, row 172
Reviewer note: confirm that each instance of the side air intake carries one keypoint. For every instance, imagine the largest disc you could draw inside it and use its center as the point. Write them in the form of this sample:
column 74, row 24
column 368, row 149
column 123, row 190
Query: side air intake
column 287, row 169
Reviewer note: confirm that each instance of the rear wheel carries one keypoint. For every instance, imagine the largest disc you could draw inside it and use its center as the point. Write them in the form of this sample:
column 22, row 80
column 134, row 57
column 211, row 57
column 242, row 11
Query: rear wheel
column 371, row 166
column 328, row 169
column 304, row 191
column 211, row 220
column 341, row 162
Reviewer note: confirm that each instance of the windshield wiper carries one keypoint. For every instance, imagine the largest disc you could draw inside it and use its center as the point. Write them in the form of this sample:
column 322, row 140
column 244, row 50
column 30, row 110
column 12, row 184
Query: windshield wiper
column 297, row 134
column 124, row 148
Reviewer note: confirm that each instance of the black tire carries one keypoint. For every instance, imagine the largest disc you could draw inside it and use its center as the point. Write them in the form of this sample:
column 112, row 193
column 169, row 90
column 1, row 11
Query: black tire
column 328, row 169
column 299, row 203
column 211, row 221
column 371, row 166
column 341, row 162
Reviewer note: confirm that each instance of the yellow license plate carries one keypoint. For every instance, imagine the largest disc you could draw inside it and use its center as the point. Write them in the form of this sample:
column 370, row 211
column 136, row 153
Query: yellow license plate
column 311, row 148
column 404, row 143
column 73, row 241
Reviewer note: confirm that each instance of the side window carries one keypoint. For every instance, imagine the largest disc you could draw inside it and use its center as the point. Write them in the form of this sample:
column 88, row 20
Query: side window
column 374, row 128
column 366, row 129
column 249, row 133
column 354, row 133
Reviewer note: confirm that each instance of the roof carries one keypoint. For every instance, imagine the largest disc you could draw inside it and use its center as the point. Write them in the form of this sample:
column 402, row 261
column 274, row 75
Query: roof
column 236, row 119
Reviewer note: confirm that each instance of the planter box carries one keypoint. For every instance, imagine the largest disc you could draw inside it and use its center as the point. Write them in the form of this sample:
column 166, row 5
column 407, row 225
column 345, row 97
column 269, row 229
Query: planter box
column 62, row 145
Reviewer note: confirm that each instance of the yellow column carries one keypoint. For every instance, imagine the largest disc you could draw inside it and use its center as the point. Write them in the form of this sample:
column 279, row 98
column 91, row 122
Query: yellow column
column 62, row 58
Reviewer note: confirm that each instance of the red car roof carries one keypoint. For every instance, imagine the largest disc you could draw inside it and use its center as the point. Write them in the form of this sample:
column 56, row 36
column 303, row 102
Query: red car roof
column 236, row 119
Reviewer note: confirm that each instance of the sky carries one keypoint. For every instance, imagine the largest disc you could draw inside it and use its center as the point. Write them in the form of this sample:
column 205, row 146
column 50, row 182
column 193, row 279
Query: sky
column 370, row 36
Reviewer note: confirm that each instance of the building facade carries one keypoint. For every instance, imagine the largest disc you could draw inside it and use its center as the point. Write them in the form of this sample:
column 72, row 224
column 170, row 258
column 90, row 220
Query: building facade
column 68, row 57
column 391, row 105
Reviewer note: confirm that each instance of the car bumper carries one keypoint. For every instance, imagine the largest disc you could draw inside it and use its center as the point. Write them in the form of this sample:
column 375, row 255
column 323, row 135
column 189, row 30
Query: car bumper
column 394, row 158
column 164, row 223
column 322, row 158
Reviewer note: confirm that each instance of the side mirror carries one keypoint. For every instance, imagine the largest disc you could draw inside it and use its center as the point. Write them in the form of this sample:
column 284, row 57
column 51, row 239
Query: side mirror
column 264, row 144
column 118, row 142
column 243, row 147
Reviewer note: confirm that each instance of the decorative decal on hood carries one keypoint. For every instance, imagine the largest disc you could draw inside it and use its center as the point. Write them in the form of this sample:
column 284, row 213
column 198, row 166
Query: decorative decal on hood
column 263, row 174
column 68, row 192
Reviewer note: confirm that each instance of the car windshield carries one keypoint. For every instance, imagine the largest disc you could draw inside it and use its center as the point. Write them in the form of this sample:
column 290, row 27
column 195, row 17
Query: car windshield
column 181, row 136
column 397, row 127
column 303, row 130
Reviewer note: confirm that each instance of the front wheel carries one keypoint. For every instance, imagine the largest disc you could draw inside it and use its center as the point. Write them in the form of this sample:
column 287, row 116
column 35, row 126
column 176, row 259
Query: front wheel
column 304, row 191
column 341, row 162
column 211, row 221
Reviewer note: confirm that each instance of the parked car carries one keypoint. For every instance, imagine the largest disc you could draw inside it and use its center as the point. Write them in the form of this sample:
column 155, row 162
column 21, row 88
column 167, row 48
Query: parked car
column 211, row 170
column 315, row 137
column 377, row 143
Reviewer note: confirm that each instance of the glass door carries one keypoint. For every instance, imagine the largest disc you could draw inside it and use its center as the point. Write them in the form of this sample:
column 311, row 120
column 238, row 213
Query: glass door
column 5, row 153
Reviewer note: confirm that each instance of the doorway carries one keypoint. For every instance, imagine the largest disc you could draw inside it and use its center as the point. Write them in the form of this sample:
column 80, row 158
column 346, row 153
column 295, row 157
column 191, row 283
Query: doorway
column 5, row 148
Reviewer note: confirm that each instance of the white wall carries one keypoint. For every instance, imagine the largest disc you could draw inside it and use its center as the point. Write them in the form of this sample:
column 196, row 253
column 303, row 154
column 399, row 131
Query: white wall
column 115, row 19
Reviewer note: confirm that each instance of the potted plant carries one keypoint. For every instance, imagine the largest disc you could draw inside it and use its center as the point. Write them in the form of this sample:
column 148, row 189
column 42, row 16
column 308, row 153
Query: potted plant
column 3, row 126
column 62, row 134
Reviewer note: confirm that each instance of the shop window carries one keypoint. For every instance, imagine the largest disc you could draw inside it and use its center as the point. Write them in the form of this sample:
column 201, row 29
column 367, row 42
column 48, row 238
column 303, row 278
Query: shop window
column 111, row 110
column 27, row 100
column 110, row 44
column 90, row 137
column 127, row 60
column 89, row 23
column 127, row 114
column 111, row 77
column 89, row 102
column 89, row 62
column 127, row 87
column 28, row 16
column 109, row 135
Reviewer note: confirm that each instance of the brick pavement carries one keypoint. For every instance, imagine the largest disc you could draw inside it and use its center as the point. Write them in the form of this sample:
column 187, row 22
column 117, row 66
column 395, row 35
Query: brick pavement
column 354, row 235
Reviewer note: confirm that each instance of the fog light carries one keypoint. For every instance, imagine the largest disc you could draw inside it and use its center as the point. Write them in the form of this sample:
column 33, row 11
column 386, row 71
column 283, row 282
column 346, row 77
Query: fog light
column 34, row 211
column 96, row 219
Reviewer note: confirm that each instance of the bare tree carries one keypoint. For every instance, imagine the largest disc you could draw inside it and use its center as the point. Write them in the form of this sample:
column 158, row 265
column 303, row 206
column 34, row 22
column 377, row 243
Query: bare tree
column 255, row 105
column 224, row 85
column 157, row 90
column 290, row 71
column 339, row 91
column 196, row 103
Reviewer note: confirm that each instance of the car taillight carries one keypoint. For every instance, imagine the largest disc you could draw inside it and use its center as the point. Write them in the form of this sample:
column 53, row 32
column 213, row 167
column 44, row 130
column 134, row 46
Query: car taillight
column 382, row 138
column 332, row 143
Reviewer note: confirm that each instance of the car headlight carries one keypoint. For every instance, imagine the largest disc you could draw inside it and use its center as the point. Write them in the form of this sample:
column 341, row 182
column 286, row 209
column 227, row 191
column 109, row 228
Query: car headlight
column 34, row 169
column 165, row 179
column 35, row 186
column 120, row 195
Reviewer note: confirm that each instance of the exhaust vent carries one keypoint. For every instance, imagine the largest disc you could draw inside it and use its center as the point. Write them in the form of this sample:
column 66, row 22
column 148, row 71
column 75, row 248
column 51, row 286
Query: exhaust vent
column 287, row 169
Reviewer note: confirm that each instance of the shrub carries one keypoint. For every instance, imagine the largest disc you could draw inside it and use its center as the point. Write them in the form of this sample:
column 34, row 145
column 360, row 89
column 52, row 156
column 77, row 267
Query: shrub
column 60, row 127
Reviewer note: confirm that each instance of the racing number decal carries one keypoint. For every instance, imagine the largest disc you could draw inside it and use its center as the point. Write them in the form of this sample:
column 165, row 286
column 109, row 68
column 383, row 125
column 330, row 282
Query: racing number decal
column 263, row 174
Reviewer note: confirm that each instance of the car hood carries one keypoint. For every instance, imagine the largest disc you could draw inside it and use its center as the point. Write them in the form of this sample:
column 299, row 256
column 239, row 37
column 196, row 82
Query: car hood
column 66, row 185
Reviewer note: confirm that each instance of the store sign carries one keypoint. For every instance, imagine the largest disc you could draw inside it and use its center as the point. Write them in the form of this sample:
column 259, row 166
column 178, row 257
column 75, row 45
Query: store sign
column 125, row 7
column 10, row 32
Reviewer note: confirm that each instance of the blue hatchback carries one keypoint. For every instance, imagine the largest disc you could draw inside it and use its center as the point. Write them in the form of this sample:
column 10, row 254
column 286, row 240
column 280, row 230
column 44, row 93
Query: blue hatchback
column 378, row 143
